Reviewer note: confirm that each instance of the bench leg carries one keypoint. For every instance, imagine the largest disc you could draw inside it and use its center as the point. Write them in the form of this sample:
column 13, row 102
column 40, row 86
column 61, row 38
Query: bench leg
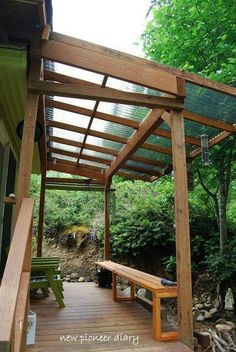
column 132, row 291
column 114, row 287
column 156, row 317
column 55, row 288
column 114, row 290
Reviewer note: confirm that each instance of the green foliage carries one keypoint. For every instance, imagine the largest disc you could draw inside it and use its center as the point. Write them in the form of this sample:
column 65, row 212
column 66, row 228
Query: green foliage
column 66, row 208
column 144, row 217
column 222, row 265
column 195, row 35
column 170, row 264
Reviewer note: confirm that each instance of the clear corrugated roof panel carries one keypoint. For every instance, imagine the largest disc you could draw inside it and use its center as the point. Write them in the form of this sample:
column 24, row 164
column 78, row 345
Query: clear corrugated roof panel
column 149, row 154
column 159, row 141
column 97, row 154
column 195, row 129
column 79, row 73
column 104, row 143
column 82, row 103
column 130, row 87
column 70, row 118
column 112, row 128
column 210, row 103
column 136, row 113
column 92, row 163
column 63, row 157
column 61, row 146
column 74, row 136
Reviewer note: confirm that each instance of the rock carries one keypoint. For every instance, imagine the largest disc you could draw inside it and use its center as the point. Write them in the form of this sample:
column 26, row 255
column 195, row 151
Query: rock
column 207, row 315
column 141, row 292
column 224, row 328
column 200, row 317
column 74, row 275
column 213, row 310
column 208, row 305
column 230, row 323
column 196, row 313
column 126, row 291
column 204, row 297
column 199, row 306
column 67, row 279
column 195, row 300
column 87, row 279
column 81, row 279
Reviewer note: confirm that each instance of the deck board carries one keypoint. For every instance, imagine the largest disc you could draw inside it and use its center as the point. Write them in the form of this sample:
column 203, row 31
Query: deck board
column 90, row 310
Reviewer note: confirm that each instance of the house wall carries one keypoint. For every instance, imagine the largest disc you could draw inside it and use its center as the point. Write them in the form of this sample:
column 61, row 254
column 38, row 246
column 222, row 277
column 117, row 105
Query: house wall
column 8, row 168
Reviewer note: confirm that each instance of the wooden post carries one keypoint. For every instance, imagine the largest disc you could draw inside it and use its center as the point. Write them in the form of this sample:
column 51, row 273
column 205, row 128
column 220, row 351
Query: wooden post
column 106, row 221
column 41, row 214
column 182, row 230
column 27, row 144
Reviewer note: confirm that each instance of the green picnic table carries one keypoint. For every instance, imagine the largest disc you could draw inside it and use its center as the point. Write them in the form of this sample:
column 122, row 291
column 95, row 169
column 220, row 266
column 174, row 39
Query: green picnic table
column 45, row 274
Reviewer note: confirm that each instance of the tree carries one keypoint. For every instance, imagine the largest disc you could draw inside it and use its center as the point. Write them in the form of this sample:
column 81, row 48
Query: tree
column 195, row 35
column 199, row 36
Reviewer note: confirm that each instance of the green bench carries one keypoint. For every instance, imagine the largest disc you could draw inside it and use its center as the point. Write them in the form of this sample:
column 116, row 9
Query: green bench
column 45, row 274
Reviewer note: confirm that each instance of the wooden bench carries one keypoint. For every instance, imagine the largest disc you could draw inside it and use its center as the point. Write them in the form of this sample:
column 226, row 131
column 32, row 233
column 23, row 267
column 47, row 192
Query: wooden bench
column 151, row 283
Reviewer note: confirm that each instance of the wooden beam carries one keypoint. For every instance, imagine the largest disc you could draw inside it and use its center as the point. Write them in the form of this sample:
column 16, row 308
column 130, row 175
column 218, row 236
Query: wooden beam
column 182, row 230
column 106, row 161
column 150, row 123
column 93, row 57
column 11, row 281
column 208, row 121
column 133, row 176
column 65, row 187
column 119, row 120
column 103, row 135
column 103, row 94
column 85, row 181
column 27, row 144
column 41, row 214
column 107, row 220
column 75, row 170
column 42, row 141
column 114, row 152
column 46, row 32
column 96, row 105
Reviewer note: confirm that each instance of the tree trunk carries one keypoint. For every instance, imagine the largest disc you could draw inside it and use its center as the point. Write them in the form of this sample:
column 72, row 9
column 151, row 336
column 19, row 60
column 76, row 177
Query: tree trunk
column 222, row 204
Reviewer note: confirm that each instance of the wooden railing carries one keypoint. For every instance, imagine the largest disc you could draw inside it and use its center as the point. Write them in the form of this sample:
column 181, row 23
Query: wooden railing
column 15, row 283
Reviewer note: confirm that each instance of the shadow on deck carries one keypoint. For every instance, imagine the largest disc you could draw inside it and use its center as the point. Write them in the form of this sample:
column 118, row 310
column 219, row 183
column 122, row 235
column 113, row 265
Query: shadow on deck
column 90, row 313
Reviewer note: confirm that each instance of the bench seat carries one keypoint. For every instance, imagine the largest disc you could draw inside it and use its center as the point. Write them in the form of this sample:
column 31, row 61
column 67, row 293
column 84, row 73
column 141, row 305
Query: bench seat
column 148, row 281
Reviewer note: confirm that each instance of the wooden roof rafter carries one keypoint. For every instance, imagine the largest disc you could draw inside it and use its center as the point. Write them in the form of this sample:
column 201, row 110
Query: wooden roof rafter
column 106, row 161
column 102, row 135
column 150, row 123
column 96, row 58
column 113, row 64
column 72, row 168
column 104, row 94
column 198, row 118
column 91, row 120
column 105, row 150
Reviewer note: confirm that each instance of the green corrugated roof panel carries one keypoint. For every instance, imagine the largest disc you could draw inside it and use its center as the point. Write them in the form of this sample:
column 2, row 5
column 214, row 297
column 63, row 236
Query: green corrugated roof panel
column 210, row 103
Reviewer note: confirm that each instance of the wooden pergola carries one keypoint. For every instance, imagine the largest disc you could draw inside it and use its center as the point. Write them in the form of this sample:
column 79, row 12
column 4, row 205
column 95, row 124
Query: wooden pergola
column 138, row 156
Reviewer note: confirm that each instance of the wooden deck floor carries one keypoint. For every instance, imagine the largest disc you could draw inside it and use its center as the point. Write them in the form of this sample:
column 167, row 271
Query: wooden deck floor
column 90, row 313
